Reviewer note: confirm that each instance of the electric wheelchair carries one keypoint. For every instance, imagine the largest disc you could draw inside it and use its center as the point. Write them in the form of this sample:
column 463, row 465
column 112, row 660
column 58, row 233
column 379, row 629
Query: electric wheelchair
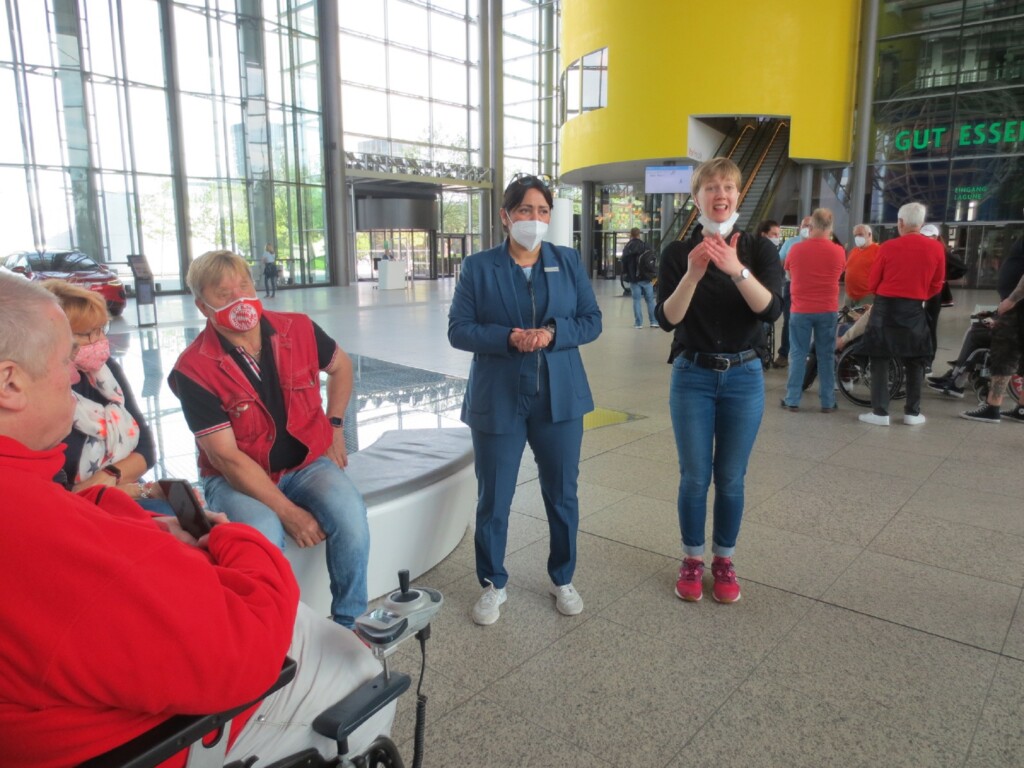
column 404, row 614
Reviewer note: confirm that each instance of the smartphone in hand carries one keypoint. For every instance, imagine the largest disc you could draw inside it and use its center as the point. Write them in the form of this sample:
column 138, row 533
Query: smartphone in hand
column 186, row 505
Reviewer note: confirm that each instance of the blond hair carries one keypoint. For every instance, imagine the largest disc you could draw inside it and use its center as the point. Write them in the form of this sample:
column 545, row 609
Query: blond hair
column 210, row 268
column 85, row 309
column 719, row 167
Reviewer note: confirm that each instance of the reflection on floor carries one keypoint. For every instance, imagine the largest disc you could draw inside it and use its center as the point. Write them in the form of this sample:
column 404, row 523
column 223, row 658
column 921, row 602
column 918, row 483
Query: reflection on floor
column 882, row 569
column 386, row 396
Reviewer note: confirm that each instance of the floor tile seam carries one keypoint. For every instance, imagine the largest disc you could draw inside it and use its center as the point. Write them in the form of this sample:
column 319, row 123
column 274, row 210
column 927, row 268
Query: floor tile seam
column 988, row 694
column 963, row 643
column 1005, row 534
column 1017, row 586
column 1017, row 611
column 757, row 665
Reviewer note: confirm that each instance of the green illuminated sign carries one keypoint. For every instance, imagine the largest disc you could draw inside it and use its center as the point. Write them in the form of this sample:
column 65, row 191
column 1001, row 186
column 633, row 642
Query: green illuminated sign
column 966, row 135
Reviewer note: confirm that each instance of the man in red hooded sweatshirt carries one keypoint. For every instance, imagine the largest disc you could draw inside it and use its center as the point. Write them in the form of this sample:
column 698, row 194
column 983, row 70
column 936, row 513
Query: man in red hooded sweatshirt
column 111, row 619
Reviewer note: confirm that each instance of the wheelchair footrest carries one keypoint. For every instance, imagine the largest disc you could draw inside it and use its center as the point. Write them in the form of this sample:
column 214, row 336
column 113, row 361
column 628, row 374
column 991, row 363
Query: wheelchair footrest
column 343, row 718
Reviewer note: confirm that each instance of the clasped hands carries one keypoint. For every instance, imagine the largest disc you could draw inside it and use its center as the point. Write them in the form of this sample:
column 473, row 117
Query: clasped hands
column 530, row 339
column 715, row 248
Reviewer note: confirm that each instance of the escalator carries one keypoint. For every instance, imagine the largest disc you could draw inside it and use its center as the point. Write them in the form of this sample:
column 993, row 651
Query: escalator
column 761, row 150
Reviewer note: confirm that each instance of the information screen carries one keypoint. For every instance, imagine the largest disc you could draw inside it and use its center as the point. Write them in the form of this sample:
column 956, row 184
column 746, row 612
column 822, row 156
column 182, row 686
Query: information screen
column 667, row 179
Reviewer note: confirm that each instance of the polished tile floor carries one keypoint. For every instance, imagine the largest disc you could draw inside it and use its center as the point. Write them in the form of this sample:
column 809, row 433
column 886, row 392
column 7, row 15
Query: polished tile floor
column 882, row 620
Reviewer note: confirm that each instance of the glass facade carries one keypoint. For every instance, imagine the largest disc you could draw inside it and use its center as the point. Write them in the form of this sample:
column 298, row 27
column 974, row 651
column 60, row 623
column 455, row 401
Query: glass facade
column 172, row 127
column 949, row 122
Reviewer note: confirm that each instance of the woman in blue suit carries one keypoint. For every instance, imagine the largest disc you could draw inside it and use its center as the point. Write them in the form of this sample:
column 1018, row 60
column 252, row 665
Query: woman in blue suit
column 523, row 309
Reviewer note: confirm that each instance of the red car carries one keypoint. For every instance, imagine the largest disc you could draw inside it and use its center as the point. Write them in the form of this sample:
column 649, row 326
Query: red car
column 73, row 266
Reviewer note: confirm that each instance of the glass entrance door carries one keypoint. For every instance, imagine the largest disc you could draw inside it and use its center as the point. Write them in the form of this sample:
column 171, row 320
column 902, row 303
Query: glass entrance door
column 453, row 249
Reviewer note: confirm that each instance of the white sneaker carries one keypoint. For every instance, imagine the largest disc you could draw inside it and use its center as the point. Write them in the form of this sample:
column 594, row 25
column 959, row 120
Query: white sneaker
column 913, row 420
column 486, row 609
column 872, row 418
column 567, row 600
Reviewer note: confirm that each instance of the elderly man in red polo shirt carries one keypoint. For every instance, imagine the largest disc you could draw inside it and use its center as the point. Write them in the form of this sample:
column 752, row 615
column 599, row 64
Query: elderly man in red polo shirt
column 909, row 269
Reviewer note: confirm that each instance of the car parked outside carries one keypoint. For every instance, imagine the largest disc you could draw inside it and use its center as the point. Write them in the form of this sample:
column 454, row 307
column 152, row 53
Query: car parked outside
column 73, row 266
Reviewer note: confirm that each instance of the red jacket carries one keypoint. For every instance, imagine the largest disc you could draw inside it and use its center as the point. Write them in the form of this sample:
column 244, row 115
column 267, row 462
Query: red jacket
column 110, row 624
column 911, row 266
column 294, row 346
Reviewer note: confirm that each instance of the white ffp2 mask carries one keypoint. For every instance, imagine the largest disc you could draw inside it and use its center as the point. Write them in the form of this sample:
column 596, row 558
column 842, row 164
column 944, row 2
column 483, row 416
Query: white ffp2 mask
column 528, row 233
column 718, row 228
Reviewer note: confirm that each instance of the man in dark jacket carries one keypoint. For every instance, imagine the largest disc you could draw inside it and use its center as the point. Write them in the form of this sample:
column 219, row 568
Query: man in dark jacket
column 640, row 276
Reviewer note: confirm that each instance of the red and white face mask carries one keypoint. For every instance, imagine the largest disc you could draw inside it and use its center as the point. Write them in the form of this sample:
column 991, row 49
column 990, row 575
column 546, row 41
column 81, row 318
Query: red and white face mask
column 240, row 315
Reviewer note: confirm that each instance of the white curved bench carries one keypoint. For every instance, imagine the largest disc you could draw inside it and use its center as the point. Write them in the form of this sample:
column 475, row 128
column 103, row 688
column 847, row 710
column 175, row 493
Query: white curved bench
column 420, row 492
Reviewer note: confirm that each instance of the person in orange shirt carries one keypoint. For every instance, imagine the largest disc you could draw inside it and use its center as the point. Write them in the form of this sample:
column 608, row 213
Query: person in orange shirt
column 858, row 265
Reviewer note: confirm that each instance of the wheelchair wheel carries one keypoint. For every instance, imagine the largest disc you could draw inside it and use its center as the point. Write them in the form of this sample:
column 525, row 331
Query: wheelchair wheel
column 853, row 377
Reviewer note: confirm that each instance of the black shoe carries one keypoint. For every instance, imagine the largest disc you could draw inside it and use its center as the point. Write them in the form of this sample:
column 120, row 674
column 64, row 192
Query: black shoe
column 947, row 388
column 943, row 380
column 1016, row 414
column 790, row 408
column 984, row 412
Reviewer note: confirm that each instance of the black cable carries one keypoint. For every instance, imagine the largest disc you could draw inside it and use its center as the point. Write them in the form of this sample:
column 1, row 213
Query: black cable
column 419, row 734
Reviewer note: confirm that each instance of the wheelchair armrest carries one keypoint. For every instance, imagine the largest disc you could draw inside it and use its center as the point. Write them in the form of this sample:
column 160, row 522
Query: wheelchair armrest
column 339, row 721
column 170, row 737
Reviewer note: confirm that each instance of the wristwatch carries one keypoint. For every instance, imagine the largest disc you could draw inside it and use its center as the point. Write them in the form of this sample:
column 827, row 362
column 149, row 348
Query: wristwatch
column 114, row 472
column 336, row 421
column 743, row 275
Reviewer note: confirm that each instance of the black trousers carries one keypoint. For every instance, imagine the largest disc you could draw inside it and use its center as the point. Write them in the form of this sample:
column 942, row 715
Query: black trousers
column 913, row 377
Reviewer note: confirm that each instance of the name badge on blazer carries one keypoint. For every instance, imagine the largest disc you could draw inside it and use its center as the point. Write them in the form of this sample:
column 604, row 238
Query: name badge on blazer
column 550, row 269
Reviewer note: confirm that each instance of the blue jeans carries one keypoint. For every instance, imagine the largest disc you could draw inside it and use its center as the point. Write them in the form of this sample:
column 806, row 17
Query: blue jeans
column 556, row 448
column 328, row 494
column 823, row 326
column 646, row 289
column 715, row 418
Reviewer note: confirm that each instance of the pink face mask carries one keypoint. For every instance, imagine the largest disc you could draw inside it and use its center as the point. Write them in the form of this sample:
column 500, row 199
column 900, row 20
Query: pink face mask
column 91, row 357
column 240, row 315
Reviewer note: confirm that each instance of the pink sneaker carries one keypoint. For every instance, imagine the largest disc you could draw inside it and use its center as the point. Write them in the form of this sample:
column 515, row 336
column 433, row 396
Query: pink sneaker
column 726, row 589
column 690, row 585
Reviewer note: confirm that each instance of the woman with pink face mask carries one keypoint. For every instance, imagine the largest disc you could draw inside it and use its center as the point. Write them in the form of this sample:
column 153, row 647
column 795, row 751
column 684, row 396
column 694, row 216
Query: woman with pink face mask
column 110, row 443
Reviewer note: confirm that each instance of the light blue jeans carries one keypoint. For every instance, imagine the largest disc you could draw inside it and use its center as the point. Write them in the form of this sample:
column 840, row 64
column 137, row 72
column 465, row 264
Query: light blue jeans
column 645, row 289
column 328, row 494
column 715, row 418
column 801, row 326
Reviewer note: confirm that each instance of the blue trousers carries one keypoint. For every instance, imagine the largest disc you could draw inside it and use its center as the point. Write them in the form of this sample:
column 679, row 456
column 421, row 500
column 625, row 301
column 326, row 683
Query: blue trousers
column 328, row 494
column 715, row 418
column 823, row 327
column 556, row 447
column 643, row 289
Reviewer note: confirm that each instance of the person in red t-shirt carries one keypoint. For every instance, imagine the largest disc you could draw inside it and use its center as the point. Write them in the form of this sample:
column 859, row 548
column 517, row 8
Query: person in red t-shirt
column 908, row 270
column 858, row 264
column 814, row 266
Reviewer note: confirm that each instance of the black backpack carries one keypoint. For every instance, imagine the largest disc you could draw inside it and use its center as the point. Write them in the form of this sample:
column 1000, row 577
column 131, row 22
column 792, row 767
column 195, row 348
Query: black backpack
column 647, row 266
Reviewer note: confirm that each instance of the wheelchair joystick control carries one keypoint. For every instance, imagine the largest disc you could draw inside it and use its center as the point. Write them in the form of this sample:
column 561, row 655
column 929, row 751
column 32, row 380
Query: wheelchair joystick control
column 401, row 615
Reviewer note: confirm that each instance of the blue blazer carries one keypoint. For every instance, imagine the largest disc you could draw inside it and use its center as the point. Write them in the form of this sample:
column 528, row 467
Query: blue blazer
column 485, row 310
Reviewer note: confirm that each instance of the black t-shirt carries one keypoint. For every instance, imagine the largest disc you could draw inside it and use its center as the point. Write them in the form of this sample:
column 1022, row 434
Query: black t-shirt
column 718, row 318
column 205, row 415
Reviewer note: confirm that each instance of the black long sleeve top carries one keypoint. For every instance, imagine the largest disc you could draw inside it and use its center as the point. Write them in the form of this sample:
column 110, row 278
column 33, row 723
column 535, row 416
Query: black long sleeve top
column 719, row 318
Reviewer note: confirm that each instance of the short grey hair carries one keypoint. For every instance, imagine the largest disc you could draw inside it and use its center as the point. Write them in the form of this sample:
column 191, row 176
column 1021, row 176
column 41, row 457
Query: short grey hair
column 25, row 336
column 913, row 215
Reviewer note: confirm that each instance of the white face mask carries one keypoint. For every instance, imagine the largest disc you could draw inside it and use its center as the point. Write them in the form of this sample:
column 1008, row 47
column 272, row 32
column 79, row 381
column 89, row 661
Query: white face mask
column 718, row 228
column 860, row 241
column 805, row 232
column 776, row 241
column 528, row 233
